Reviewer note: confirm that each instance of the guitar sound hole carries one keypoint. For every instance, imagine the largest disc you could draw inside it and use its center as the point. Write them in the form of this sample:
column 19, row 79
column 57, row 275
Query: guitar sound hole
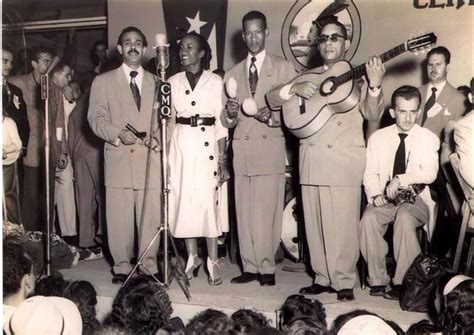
column 327, row 87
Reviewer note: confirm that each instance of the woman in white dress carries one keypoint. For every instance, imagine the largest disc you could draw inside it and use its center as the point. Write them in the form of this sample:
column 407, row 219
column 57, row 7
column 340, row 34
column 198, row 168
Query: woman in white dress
column 197, row 157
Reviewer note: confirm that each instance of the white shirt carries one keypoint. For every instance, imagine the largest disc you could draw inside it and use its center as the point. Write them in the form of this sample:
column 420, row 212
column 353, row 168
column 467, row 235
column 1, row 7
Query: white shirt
column 138, row 79
column 421, row 155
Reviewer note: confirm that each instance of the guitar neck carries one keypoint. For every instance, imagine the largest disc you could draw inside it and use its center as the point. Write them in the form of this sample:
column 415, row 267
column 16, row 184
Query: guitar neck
column 360, row 70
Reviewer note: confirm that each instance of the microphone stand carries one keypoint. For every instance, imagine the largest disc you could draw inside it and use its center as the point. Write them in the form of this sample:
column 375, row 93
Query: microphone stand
column 178, row 272
column 45, row 97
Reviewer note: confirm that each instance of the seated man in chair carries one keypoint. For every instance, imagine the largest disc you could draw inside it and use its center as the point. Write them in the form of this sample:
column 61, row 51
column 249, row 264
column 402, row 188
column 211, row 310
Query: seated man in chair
column 401, row 158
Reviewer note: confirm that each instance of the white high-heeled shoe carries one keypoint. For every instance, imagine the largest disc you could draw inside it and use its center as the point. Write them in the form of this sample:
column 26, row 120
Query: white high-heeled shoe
column 214, row 273
column 192, row 266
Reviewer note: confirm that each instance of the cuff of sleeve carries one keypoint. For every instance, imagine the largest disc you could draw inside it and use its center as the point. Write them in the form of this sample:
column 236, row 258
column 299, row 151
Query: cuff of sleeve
column 404, row 180
column 374, row 93
column 59, row 134
column 285, row 92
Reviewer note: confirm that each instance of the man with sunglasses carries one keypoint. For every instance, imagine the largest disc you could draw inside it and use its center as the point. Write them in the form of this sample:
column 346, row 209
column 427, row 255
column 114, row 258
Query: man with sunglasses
column 332, row 164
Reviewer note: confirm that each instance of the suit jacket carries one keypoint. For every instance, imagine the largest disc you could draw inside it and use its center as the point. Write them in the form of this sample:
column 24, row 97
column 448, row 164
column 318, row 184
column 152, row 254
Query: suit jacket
column 258, row 149
column 452, row 104
column 335, row 155
column 464, row 145
column 111, row 107
column 14, row 106
column 82, row 142
column 57, row 133
column 34, row 110
column 421, row 147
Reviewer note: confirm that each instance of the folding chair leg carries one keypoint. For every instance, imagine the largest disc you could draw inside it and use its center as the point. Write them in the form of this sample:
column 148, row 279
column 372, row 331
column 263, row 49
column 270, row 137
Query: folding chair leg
column 462, row 234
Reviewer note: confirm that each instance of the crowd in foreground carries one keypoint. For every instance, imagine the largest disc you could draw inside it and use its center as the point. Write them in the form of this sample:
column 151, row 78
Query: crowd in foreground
column 53, row 305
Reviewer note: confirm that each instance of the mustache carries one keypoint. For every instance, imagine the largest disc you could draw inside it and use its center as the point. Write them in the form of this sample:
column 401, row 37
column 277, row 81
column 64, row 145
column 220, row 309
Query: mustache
column 132, row 51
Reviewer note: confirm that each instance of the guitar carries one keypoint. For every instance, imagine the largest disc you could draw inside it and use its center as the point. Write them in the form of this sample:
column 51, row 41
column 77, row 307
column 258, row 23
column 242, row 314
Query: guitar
column 337, row 91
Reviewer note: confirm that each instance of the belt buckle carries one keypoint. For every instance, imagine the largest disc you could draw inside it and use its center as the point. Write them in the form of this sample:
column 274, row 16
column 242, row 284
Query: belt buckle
column 194, row 120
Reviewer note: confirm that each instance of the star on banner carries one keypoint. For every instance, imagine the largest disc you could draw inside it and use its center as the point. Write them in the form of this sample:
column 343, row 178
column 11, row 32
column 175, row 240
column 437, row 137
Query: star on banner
column 195, row 23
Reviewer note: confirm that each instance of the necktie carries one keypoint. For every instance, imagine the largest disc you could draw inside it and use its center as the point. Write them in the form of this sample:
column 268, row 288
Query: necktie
column 399, row 162
column 134, row 88
column 429, row 103
column 6, row 96
column 253, row 76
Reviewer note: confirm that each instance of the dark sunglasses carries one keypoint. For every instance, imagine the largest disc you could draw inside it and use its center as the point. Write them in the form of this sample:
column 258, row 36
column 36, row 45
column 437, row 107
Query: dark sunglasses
column 333, row 37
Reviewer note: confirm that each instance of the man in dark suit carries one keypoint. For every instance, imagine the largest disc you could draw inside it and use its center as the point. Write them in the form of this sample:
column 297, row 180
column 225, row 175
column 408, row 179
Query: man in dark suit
column 14, row 106
column 259, row 154
column 118, row 98
column 33, row 170
column 332, row 163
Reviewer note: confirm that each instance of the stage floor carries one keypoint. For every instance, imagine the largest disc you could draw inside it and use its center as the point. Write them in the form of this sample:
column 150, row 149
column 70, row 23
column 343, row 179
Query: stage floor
column 230, row 297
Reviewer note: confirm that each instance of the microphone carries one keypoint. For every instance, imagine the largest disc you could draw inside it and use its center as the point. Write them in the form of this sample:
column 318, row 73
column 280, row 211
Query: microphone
column 162, row 52
column 44, row 80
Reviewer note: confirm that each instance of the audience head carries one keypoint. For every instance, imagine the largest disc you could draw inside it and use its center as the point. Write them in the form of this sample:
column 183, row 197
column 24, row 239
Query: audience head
column 254, row 31
column 297, row 306
column 438, row 60
column 405, row 107
column 210, row 322
column 51, row 286
column 362, row 322
column 7, row 62
column 99, row 52
column 141, row 307
column 333, row 42
column 46, row 315
column 194, row 50
column 18, row 272
column 247, row 321
column 61, row 75
column 42, row 58
column 132, row 45
column 455, row 303
column 83, row 294
column 305, row 325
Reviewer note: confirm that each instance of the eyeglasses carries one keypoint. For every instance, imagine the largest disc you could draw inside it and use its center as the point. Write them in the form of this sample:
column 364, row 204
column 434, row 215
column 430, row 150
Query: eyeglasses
column 333, row 37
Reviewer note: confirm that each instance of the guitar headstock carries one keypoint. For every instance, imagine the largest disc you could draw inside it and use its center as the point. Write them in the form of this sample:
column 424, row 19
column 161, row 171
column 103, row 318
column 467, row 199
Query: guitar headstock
column 422, row 43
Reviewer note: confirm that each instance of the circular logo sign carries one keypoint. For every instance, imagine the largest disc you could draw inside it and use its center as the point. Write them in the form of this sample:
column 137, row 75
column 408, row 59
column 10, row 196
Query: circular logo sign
column 300, row 30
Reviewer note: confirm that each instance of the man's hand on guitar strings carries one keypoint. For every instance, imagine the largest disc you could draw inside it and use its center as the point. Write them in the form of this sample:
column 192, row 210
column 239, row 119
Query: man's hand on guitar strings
column 375, row 71
column 232, row 106
column 392, row 188
column 304, row 89
column 127, row 137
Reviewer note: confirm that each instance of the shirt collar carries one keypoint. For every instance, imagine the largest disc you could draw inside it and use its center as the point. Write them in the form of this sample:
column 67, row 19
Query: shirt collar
column 259, row 59
column 439, row 88
column 127, row 69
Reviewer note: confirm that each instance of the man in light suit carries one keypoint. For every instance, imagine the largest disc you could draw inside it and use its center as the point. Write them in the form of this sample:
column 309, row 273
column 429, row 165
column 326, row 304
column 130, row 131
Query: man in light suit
column 120, row 97
column 447, row 103
column 398, row 156
column 259, row 153
column 331, row 165
column 33, row 169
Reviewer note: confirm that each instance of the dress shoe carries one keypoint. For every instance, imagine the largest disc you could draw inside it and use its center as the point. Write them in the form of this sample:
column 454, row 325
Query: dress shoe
column 244, row 278
column 345, row 294
column 119, row 278
column 394, row 293
column 267, row 280
column 377, row 291
column 316, row 289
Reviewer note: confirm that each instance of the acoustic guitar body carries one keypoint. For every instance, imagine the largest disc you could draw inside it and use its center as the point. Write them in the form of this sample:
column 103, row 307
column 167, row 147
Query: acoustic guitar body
column 306, row 117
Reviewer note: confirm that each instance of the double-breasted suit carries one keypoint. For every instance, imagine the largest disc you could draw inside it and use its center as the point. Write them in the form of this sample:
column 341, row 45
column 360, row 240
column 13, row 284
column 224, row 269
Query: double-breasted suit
column 331, row 166
column 259, row 167
column 111, row 108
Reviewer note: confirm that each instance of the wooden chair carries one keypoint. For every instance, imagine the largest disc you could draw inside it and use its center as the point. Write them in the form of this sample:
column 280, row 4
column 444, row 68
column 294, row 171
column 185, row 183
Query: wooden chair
column 466, row 218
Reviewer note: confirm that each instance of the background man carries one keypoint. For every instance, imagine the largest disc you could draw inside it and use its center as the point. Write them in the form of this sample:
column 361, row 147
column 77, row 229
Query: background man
column 331, row 167
column 398, row 156
column 14, row 108
column 120, row 97
column 33, row 185
column 259, row 154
